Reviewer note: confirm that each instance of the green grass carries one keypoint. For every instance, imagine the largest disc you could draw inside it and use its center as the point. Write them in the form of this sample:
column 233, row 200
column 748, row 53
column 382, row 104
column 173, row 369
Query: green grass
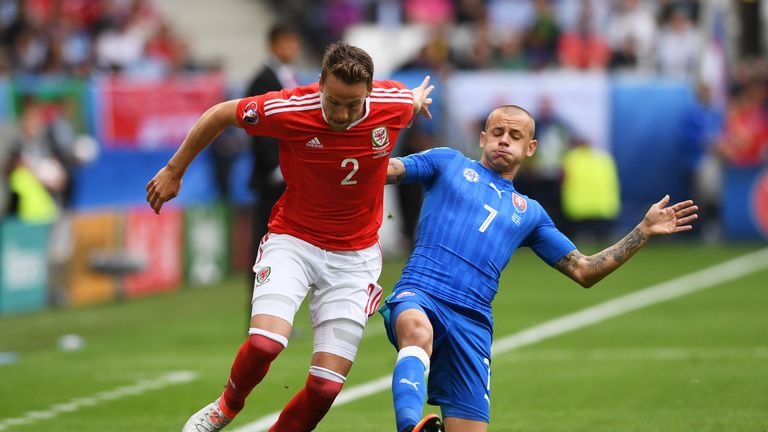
column 695, row 363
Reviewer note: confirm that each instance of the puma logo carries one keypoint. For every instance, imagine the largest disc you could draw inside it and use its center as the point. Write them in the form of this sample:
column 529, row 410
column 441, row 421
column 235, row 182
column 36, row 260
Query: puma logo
column 411, row 383
column 497, row 190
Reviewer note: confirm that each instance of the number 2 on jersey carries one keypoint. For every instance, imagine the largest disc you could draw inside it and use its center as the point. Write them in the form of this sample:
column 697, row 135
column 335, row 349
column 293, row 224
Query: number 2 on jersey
column 355, row 166
column 492, row 214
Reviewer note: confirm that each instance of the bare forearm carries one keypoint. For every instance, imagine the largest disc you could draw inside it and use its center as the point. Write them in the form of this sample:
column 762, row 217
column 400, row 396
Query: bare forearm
column 606, row 261
column 588, row 270
column 205, row 130
column 395, row 171
column 659, row 220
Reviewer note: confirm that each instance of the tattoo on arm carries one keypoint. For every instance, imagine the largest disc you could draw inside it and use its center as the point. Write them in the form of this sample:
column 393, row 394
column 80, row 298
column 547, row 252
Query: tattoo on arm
column 588, row 270
column 620, row 252
column 568, row 263
column 627, row 246
column 597, row 261
column 395, row 172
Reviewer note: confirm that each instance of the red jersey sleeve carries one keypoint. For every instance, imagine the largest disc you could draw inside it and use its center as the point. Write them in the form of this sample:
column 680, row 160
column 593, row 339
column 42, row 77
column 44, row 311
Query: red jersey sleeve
column 250, row 115
column 270, row 114
column 258, row 114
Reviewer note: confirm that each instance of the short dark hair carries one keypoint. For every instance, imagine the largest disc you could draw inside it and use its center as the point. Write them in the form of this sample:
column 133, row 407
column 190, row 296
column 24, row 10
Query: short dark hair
column 512, row 108
column 282, row 28
column 348, row 63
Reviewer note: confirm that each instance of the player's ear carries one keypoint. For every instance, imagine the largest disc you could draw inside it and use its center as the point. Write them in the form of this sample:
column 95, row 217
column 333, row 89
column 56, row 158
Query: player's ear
column 532, row 146
column 482, row 139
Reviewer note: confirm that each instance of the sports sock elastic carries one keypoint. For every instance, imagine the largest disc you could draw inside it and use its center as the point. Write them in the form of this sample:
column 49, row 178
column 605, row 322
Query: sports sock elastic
column 409, row 390
column 310, row 405
column 249, row 368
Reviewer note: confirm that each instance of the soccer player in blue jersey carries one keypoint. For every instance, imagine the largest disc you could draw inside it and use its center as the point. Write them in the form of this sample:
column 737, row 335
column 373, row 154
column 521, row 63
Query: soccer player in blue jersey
column 472, row 220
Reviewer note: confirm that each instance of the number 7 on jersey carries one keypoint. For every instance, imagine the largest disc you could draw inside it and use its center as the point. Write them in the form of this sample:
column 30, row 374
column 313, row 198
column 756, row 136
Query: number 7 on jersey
column 492, row 214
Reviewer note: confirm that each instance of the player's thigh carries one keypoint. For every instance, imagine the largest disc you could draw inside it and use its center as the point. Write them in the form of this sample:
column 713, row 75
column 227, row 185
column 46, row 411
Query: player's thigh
column 347, row 287
column 413, row 328
column 284, row 271
column 460, row 374
column 335, row 344
column 421, row 323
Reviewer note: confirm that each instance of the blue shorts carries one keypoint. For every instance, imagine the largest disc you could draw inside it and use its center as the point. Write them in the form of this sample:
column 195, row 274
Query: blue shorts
column 460, row 367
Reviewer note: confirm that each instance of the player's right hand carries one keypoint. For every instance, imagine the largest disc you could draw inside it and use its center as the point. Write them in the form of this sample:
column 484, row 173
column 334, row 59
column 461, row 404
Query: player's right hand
column 163, row 187
column 421, row 99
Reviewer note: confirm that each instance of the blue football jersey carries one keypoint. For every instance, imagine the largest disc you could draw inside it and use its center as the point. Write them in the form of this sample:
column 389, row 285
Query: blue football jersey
column 471, row 222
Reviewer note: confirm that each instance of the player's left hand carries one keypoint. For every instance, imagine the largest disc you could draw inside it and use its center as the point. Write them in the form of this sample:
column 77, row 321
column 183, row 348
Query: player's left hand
column 663, row 220
column 421, row 99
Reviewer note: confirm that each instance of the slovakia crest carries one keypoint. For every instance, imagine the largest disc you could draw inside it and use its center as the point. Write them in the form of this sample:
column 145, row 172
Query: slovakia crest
column 380, row 137
column 262, row 276
column 471, row 175
column 521, row 205
column 251, row 113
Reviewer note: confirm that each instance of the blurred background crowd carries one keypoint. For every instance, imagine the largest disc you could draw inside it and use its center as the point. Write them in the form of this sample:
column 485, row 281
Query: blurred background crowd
column 633, row 99
column 81, row 38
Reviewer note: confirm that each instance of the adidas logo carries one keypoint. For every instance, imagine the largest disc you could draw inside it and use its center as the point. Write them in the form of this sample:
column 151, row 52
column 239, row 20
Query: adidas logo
column 314, row 143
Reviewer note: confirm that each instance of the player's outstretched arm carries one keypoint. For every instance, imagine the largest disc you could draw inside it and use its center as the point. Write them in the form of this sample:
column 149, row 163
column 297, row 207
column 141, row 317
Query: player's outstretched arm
column 395, row 171
column 421, row 99
column 166, row 184
column 660, row 220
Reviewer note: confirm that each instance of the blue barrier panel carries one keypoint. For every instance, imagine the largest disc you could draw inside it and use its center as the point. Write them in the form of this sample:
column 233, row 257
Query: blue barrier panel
column 743, row 203
column 118, row 178
column 646, row 133
column 240, row 192
column 23, row 266
column 5, row 101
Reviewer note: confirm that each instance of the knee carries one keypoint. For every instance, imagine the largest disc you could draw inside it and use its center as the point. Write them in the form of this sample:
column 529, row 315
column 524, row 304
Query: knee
column 415, row 332
column 266, row 347
column 323, row 388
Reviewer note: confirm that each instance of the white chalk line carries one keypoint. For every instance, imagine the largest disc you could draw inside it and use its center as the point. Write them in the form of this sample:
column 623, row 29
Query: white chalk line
column 678, row 287
column 140, row 387
column 635, row 354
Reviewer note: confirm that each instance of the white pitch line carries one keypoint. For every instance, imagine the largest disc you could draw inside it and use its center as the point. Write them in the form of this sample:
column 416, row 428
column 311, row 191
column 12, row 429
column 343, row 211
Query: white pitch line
column 678, row 287
column 140, row 387
column 635, row 354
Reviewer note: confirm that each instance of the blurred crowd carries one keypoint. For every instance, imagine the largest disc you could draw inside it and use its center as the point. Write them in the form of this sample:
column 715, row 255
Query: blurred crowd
column 82, row 37
column 726, row 123
column 70, row 39
column 667, row 38
column 41, row 159
column 634, row 35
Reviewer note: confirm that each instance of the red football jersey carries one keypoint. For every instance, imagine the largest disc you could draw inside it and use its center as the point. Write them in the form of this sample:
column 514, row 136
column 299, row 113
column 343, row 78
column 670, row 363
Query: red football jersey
column 334, row 193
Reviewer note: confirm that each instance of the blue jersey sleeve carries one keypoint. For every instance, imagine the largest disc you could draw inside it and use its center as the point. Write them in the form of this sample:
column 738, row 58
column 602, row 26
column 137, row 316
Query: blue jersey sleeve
column 547, row 241
column 425, row 166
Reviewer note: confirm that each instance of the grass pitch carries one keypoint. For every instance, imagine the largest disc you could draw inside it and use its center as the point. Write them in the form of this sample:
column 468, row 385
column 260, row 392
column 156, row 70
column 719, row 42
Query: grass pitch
column 695, row 363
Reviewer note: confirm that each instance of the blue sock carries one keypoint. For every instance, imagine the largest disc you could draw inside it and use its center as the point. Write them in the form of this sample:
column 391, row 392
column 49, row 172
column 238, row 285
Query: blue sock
column 409, row 390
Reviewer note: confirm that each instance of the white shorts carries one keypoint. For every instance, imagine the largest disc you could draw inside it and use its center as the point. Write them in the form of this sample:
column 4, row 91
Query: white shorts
column 340, row 284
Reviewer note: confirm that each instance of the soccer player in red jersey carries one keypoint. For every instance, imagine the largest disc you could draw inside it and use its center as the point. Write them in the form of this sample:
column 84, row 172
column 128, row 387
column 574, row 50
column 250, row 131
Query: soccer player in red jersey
column 335, row 140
